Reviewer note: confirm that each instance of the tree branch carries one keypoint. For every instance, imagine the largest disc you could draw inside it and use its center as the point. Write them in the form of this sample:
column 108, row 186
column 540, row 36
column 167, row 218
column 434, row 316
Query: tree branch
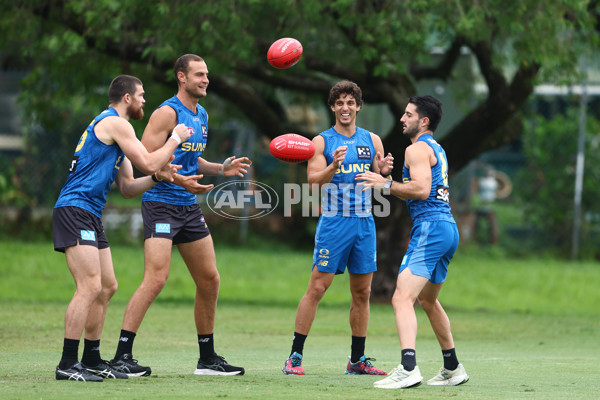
column 494, row 122
column 444, row 69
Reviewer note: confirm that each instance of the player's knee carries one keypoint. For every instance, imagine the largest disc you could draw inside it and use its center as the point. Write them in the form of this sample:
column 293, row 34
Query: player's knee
column 208, row 281
column 362, row 295
column 426, row 304
column 109, row 289
column 91, row 289
column 316, row 292
column 215, row 280
column 153, row 285
column 157, row 286
column 400, row 299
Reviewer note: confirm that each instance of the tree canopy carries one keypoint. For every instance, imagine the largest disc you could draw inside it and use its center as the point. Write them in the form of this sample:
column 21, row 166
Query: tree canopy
column 384, row 46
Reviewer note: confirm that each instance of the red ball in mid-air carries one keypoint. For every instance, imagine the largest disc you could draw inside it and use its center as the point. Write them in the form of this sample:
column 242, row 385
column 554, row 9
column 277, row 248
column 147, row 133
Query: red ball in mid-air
column 284, row 53
column 292, row 148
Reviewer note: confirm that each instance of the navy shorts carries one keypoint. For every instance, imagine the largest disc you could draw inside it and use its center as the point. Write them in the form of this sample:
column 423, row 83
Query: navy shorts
column 72, row 225
column 432, row 245
column 342, row 242
column 181, row 224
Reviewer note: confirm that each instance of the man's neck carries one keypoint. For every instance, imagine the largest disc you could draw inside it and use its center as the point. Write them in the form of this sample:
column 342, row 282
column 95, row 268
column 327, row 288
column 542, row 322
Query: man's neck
column 427, row 132
column 190, row 102
column 346, row 130
column 121, row 110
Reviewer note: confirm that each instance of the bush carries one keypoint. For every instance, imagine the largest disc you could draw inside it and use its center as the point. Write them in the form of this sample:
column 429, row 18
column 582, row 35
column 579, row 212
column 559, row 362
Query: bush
column 546, row 186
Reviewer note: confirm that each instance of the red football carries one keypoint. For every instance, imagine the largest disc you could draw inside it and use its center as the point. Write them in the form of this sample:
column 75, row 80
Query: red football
column 284, row 53
column 292, row 148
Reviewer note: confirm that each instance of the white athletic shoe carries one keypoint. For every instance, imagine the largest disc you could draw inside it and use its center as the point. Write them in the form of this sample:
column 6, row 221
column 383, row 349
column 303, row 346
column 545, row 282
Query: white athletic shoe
column 450, row 378
column 399, row 378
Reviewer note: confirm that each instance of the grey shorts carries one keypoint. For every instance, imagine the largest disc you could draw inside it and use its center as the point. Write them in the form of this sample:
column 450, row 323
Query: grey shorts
column 72, row 225
column 181, row 224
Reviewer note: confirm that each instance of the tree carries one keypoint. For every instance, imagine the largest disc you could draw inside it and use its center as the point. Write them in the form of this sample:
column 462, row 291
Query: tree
column 549, row 177
column 384, row 46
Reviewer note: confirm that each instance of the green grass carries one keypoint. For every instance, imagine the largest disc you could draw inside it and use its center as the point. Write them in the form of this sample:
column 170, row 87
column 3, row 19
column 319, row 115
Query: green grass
column 265, row 274
column 525, row 329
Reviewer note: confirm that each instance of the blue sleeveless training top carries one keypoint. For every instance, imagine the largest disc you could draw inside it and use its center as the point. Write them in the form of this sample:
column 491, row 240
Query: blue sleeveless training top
column 343, row 196
column 186, row 154
column 437, row 205
column 94, row 168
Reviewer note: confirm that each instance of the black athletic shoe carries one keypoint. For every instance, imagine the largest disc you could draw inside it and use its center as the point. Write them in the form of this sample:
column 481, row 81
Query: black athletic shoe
column 104, row 370
column 126, row 364
column 216, row 365
column 76, row 373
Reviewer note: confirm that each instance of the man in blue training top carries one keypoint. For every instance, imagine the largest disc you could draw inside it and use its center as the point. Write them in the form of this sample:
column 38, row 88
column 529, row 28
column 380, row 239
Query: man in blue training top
column 345, row 234
column 434, row 239
column 172, row 216
column 102, row 155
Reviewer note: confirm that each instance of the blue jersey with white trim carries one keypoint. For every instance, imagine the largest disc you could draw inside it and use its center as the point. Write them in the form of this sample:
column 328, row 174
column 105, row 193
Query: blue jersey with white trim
column 437, row 206
column 93, row 170
column 186, row 154
column 343, row 196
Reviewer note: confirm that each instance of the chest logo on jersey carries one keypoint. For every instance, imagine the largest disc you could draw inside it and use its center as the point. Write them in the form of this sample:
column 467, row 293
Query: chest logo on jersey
column 204, row 131
column 364, row 152
column 191, row 130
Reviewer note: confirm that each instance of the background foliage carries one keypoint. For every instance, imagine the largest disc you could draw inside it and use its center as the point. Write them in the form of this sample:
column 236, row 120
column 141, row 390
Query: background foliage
column 550, row 147
column 482, row 58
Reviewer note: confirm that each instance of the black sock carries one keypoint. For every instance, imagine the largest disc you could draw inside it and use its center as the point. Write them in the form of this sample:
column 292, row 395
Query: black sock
column 125, row 345
column 298, row 343
column 409, row 359
column 450, row 360
column 358, row 348
column 69, row 353
column 207, row 346
column 91, row 353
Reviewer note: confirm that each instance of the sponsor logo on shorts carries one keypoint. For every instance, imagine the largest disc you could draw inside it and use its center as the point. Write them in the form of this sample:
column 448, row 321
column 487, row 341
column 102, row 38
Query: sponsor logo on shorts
column 163, row 228
column 88, row 235
column 324, row 253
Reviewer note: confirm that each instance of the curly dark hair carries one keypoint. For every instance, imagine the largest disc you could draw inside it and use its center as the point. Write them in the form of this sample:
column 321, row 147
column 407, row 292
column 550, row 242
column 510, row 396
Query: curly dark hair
column 345, row 87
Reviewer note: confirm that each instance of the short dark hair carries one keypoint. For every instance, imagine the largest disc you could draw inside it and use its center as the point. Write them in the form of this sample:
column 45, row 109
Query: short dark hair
column 122, row 85
column 182, row 64
column 345, row 87
column 430, row 107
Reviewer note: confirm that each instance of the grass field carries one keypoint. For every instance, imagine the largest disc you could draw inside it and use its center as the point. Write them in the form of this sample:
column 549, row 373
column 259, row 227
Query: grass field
column 525, row 329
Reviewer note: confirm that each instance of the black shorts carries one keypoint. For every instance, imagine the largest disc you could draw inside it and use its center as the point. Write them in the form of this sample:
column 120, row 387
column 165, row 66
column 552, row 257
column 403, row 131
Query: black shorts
column 181, row 224
column 72, row 225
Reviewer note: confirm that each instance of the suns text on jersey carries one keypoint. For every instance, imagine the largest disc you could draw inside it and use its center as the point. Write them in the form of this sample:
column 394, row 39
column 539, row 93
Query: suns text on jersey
column 193, row 146
column 353, row 168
